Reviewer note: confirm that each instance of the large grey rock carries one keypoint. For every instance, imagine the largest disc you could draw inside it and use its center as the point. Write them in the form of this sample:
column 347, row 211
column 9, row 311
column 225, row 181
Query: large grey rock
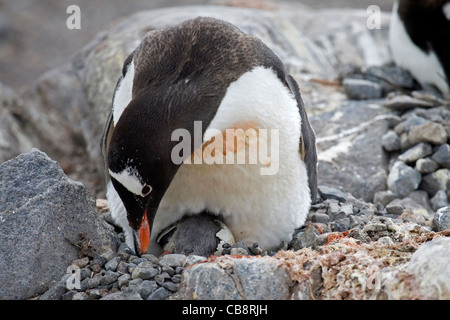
column 403, row 179
column 41, row 212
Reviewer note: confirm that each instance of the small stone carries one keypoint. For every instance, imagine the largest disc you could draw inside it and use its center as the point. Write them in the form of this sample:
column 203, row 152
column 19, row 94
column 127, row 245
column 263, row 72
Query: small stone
column 94, row 282
column 420, row 150
column 387, row 241
column 441, row 220
column 395, row 207
column 442, row 156
column 306, row 238
column 390, row 141
column 81, row 263
column 112, row 264
column 332, row 193
column 438, row 180
column 428, row 132
column 124, row 280
column 159, row 294
column 173, row 260
column 319, row 217
column 439, row 200
column 426, row 165
column 80, row 296
column 384, row 197
column 359, row 89
column 403, row 102
column 147, row 287
column 333, row 209
column 347, row 209
column 151, row 258
column 375, row 227
column 342, row 225
column 160, row 279
column 108, row 255
column 403, row 179
column 144, row 271
column 108, row 278
column 169, row 285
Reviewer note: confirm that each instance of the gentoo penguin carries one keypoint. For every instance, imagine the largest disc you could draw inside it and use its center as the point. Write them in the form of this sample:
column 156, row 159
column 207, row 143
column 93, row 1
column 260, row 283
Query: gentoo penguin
column 207, row 79
column 419, row 38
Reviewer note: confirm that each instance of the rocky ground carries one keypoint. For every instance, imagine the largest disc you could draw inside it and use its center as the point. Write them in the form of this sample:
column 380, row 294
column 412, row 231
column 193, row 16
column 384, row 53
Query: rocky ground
column 379, row 230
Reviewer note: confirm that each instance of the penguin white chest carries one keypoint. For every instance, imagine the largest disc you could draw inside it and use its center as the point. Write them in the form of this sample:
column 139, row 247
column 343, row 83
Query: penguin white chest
column 263, row 194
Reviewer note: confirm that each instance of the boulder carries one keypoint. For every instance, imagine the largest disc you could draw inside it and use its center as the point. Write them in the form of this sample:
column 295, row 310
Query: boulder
column 43, row 215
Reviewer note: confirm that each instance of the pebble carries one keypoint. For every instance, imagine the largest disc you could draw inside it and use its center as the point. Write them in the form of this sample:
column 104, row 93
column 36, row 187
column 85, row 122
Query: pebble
column 430, row 131
column 426, row 165
column 360, row 89
column 403, row 179
column 439, row 200
column 390, row 141
column 442, row 156
column 332, row 193
column 441, row 220
column 420, row 150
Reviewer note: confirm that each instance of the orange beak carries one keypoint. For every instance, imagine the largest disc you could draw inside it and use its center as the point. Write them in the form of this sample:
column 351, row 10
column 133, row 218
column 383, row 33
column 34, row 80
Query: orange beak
column 144, row 234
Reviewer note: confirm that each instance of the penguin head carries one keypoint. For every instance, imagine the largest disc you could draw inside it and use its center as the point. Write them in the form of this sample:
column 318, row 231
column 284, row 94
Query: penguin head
column 140, row 167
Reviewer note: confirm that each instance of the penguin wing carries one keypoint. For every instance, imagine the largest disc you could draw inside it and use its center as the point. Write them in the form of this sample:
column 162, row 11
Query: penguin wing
column 307, row 145
column 106, row 138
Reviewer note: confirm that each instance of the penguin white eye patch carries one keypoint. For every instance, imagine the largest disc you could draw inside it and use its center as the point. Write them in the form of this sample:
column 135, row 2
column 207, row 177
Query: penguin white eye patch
column 130, row 179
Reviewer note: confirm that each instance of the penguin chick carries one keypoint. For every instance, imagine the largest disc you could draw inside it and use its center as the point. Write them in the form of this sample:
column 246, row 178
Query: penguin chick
column 198, row 234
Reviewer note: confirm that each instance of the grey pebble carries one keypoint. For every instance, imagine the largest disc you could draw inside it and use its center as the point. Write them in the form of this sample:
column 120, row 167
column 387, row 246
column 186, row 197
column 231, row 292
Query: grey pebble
column 159, row 294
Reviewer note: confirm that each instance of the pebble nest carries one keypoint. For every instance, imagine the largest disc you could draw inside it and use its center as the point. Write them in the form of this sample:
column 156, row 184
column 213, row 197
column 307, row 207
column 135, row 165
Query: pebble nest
column 122, row 275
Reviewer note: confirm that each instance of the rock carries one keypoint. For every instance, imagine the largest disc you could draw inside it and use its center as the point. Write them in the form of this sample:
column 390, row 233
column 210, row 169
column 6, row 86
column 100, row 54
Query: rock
column 332, row 193
column 384, row 197
column 391, row 73
column 320, row 217
column 403, row 102
column 438, row 180
column 395, row 207
column 411, row 120
column 144, row 271
column 403, row 179
column 441, row 219
column 439, row 200
column 306, row 238
column 262, row 279
column 159, row 294
column 426, row 165
column 390, row 141
column 420, row 150
column 442, row 156
column 359, row 89
column 112, row 264
column 39, row 201
column 430, row 265
column 173, row 260
column 207, row 281
column 428, row 132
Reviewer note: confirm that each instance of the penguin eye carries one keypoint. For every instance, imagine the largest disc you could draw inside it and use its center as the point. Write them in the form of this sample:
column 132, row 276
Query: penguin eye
column 146, row 190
